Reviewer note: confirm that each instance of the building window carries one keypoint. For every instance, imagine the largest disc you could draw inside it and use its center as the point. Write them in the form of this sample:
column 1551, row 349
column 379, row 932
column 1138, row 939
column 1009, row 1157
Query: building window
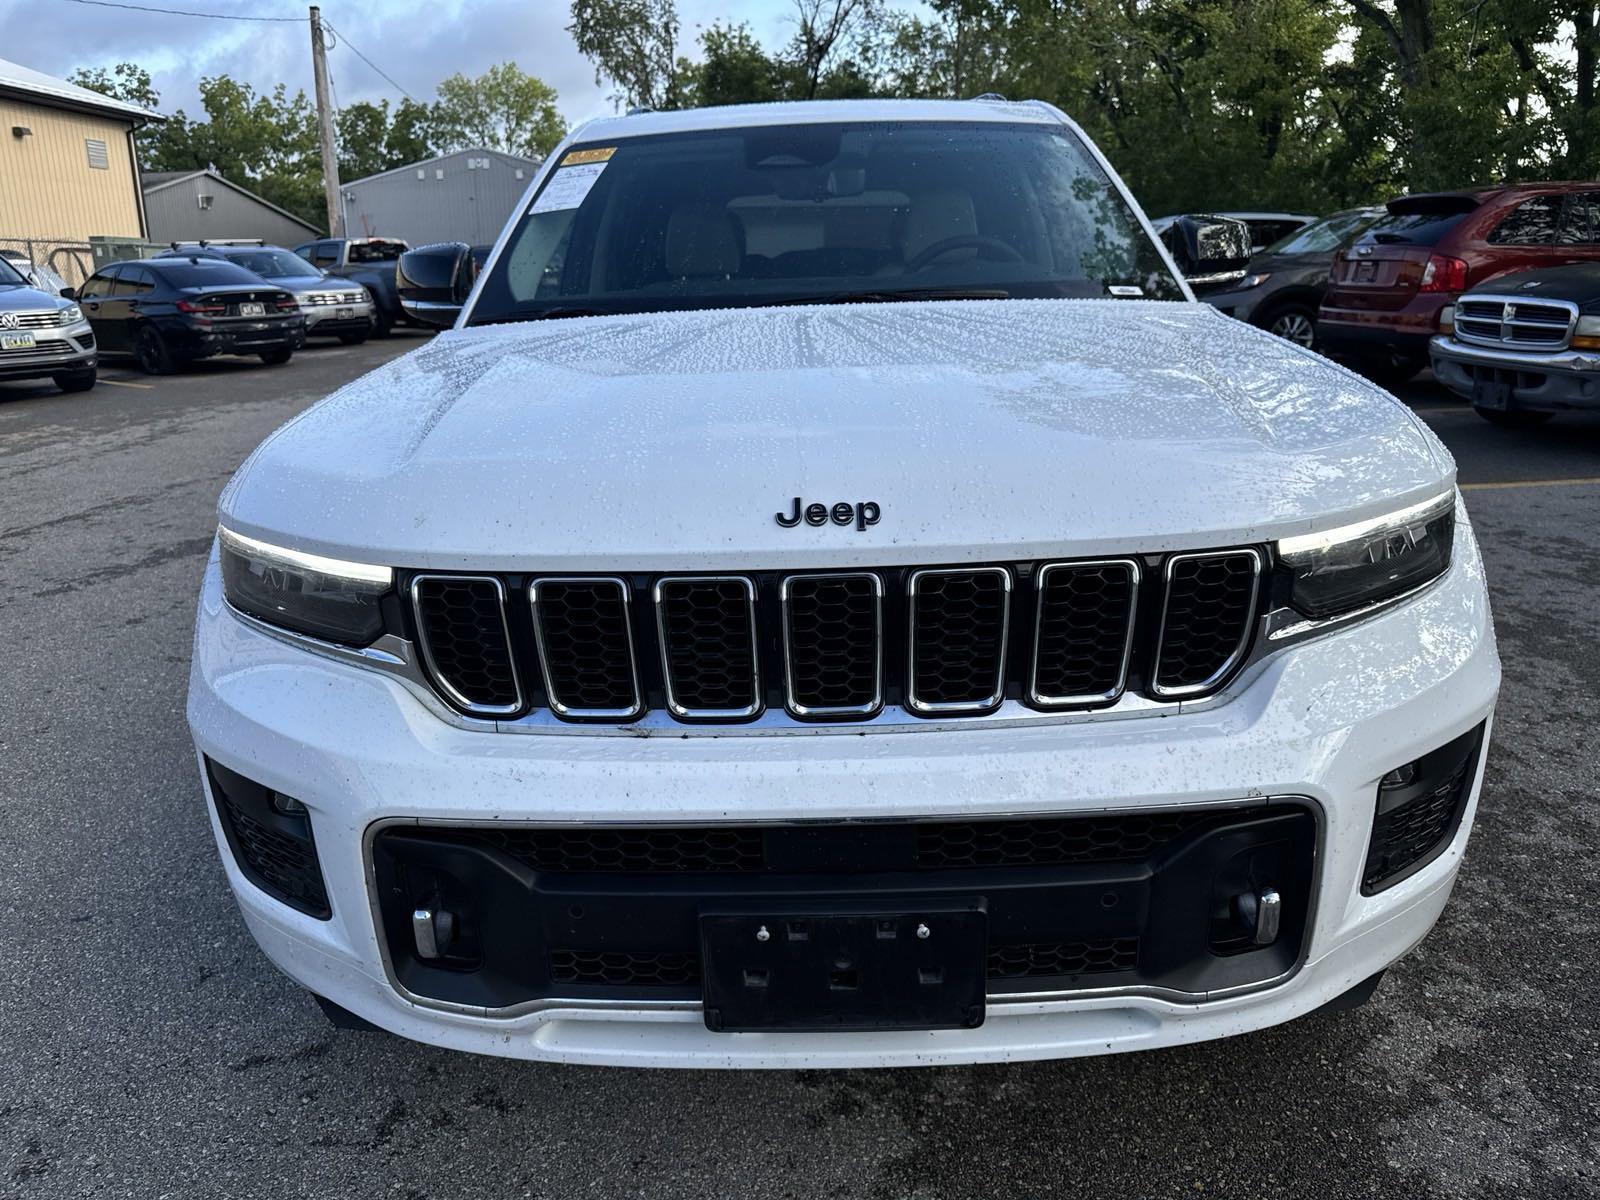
column 204, row 199
column 519, row 172
column 422, row 172
column 438, row 172
column 98, row 156
column 477, row 164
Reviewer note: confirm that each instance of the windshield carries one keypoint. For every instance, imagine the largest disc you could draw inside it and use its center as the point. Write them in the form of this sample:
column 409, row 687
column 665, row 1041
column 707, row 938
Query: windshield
column 273, row 264
column 200, row 272
column 376, row 251
column 9, row 275
column 1326, row 235
column 791, row 214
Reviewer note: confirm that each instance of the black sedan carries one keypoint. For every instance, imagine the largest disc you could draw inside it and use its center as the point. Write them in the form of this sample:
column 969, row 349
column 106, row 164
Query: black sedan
column 1283, row 285
column 170, row 311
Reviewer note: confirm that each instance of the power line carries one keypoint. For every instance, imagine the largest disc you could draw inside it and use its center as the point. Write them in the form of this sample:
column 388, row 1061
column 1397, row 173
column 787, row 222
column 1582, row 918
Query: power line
column 185, row 12
column 343, row 38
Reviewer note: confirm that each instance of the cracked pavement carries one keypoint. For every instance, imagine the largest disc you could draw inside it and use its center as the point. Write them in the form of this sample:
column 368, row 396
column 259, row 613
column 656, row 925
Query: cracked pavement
column 150, row 1050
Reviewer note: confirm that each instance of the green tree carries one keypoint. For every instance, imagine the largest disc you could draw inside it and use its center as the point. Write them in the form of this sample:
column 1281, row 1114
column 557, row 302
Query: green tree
column 505, row 108
column 126, row 81
column 372, row 140
column 634, row 46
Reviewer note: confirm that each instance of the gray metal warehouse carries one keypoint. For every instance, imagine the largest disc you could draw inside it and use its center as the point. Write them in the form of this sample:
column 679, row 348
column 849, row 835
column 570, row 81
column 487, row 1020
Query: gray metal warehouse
column 464, row 196
column 185, row 206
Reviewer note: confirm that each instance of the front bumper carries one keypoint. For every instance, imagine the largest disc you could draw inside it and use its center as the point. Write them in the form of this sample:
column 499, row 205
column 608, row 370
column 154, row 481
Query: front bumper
column 1323, row 720
column 56, row 352
column 1546, row 381
column 329, row 320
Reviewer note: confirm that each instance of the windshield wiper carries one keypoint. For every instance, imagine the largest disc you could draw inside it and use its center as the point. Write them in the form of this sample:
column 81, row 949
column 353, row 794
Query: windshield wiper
column 889, row 297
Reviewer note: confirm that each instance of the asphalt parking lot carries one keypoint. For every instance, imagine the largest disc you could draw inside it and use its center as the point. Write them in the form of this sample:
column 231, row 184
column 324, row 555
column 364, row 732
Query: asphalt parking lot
column 150, row 1050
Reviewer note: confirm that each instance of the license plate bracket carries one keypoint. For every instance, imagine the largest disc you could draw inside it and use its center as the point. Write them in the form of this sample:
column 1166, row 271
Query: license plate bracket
column 906, row 967
column 1491, row 393
column 17, row 341
column 252, row 308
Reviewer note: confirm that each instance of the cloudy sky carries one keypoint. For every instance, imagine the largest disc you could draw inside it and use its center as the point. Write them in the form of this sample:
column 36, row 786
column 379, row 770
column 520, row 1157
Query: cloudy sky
column 416, row 42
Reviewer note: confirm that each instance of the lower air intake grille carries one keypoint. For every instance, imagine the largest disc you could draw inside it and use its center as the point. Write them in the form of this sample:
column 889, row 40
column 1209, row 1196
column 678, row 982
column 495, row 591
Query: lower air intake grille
column 1210, row 604
column 618, row 968
column 462, row 623
column 832, row 633
column 586, row 646
column 1415, row 821
column 708, row 648
column 1063, row 958
column 1050, row 842
column 275, row 850
column 958, row 638
column 724, row 848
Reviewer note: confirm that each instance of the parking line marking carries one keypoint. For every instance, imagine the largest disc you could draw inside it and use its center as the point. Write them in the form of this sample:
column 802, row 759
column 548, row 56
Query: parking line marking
column 1582, row 481
column 143, row 387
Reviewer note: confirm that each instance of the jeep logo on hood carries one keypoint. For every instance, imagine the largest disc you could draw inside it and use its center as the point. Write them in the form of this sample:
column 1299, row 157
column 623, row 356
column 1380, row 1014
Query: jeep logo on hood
column 862, row 513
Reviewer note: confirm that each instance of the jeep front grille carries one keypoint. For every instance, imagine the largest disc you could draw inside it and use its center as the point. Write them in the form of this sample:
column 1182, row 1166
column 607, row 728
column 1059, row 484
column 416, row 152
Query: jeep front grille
column 837, row 646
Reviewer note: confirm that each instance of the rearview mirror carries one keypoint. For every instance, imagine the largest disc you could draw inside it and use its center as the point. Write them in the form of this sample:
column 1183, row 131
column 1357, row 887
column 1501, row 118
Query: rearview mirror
column 1211, row 252
column 434, row 282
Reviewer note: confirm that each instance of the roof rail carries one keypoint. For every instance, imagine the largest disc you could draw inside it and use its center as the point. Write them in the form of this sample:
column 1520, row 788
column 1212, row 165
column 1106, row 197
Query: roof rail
column 993, row 97
column 639, row 108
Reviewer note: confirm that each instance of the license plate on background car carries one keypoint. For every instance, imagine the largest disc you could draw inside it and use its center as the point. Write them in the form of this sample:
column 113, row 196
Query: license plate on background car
column 16, row 341
column 793, row 969
column 344, row 314
column 251, row 309
column 1365, row 272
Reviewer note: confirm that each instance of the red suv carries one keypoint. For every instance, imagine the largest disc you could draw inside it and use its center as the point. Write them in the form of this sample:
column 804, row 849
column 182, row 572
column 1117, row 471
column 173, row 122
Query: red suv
column 1386, row 288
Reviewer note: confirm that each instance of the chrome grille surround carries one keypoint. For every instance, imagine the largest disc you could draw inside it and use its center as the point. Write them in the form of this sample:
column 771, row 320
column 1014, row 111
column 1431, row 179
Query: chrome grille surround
column 438, row 676
column 785, row 592
column 1522, row 322
column 1041, row 583
column 936, row 708
column 552, row 694
column 42, row 320
column 678, row 709
column 1174, row 692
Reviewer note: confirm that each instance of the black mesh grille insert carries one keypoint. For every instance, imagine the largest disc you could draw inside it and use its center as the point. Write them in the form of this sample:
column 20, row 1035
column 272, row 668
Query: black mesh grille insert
column 662, row 969
column 958, row 635
column 1210, row 601
column 1406, row 835
column 463, row 627
column 585, row 642
column 1085, row 619
column 833, row 637
column 724, row 848
column 1063, row 958
column 1050, row 842
column 708, row 645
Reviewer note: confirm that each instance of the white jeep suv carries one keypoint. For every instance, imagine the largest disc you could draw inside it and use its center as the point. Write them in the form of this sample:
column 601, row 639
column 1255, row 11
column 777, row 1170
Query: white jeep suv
column 835, row 599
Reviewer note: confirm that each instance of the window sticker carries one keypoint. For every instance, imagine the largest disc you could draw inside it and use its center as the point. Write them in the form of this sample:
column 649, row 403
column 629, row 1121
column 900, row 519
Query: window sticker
column 571, row 183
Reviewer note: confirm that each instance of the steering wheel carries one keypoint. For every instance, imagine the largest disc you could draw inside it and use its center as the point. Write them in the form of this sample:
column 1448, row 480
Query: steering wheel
column 976, row 241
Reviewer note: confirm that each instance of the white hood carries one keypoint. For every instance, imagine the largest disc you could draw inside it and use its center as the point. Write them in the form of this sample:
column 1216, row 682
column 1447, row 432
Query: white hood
column 983, row 430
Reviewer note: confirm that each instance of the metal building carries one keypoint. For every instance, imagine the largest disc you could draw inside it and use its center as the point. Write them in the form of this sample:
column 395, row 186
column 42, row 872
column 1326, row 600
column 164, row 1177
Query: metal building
column 464, row 196
column 186, row 206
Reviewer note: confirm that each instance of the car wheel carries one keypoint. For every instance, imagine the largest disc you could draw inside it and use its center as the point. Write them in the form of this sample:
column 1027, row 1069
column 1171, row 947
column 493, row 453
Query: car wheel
column 1296, row 324
column 383, row 324
column 276, row 358
column 75, row 381
column 151, row 350
column 1516, row 418
column 353, row 339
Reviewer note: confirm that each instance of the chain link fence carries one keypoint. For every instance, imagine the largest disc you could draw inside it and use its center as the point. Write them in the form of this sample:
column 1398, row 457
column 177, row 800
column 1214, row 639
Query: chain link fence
column 71, row 259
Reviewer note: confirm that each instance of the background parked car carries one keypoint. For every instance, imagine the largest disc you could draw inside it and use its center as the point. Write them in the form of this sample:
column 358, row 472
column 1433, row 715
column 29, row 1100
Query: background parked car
column 1283, row 285
column 332, row 307
column 367, row 261
column 1526, row 346
column 38, row 275
column 1386, row 289
column 1265, row 227
column 170, row 311
column 43, row 335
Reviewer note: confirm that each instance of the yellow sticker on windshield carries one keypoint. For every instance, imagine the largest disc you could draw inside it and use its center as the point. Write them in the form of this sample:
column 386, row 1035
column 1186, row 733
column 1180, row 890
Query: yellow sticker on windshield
column 578, row 157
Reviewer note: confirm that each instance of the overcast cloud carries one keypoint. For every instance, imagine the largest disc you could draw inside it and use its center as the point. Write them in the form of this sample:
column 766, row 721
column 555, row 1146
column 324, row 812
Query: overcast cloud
column 417, row 42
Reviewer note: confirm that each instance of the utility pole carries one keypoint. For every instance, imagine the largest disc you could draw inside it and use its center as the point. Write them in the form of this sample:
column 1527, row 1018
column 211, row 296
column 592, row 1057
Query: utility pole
column 330, row 155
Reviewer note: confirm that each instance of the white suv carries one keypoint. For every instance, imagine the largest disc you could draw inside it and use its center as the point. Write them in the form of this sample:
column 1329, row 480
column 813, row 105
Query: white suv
column 835, row 599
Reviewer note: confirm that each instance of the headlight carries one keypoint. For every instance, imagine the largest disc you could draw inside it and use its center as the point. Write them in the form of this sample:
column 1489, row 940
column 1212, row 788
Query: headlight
column 1356, row 565
column 1250, row 281
column 71, row 314
column 307, row 593
column 1587, row 334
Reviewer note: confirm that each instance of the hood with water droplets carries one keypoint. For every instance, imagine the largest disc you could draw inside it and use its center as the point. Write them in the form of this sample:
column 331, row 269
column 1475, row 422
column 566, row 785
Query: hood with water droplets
column 983, row 430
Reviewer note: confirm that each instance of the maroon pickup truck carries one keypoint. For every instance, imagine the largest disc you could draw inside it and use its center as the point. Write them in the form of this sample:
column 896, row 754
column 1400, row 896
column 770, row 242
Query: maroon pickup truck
column 1386, row 289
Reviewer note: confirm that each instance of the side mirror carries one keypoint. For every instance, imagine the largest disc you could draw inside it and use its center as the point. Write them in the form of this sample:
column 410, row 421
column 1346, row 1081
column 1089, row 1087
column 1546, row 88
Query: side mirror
column 433, row 282
column 1212, row 252
column 68, row 293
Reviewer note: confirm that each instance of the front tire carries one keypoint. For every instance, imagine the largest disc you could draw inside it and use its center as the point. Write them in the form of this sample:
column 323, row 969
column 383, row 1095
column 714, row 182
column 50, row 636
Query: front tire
column 354, row 339
column 75, row 381
column 276, row 358
column 150, row 348
column 1516, row 418
column 382, row 324
column 1293, row 323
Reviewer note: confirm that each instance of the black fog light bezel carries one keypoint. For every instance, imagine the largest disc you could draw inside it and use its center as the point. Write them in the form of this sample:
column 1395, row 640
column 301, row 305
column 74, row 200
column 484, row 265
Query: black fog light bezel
column 238, row 800
column 1455, row 765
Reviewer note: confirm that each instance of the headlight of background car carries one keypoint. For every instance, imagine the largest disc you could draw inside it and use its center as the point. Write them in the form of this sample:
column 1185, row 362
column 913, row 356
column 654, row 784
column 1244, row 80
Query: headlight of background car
column 1251, row 281
column 307, row 593
column 1356, row 565
column 71, row 314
